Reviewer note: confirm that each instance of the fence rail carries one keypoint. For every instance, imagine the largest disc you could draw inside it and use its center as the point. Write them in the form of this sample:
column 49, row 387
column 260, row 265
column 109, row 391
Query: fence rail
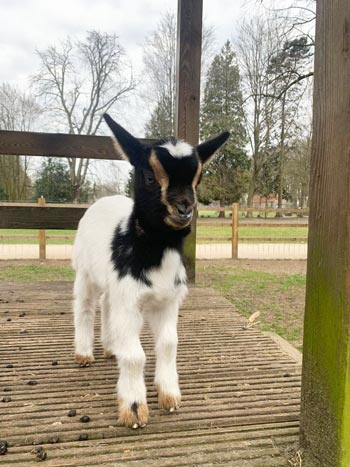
column 236, row 223
column 45, row 217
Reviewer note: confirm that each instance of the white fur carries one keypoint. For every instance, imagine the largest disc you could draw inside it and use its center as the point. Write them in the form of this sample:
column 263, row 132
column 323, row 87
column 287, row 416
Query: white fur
column 178, row 150
column 125, row 302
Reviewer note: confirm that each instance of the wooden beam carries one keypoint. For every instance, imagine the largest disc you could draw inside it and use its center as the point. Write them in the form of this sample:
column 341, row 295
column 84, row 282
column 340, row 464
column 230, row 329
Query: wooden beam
column 189, row 47
column 58, row 145
column 325, row 416
column 31, row 216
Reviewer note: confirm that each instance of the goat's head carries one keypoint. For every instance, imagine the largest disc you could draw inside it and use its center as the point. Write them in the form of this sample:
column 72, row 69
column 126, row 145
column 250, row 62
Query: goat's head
column 166, row 175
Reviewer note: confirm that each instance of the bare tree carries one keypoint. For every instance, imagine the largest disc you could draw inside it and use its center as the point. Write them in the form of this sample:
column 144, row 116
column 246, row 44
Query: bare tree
column 18, row 111
column 78, row 83
column 272, row 65
column 159, row 57
column 257, row 43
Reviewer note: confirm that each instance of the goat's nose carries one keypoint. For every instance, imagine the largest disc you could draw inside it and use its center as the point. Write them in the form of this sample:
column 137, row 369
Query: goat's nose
column 184, row 210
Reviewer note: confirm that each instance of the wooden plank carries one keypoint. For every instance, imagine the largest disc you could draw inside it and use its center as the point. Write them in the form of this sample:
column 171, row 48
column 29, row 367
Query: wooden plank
column 40, row 217
column 58, row 145
column 234, row 253
column 213, row 239
column 240, row 392
column 42, row 235
column 216, row 208
column 275, row 210
column 325, row 429
column 213, row 223
column 188, row 70
column 272, row 224
column 273, row 239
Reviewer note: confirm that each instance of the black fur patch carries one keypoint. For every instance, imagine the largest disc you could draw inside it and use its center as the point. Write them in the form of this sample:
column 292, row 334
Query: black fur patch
column 178, row 281
column 134, row 407
column 139, row 248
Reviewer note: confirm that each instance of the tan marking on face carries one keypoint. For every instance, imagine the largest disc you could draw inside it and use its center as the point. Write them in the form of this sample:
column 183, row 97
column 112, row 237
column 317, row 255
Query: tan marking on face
column 119, row 149
column 162, row 178
column 196, row 178
column 197, row 175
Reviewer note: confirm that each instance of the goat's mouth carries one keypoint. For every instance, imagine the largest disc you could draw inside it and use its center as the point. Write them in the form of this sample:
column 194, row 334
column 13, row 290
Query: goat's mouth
column 178, row 222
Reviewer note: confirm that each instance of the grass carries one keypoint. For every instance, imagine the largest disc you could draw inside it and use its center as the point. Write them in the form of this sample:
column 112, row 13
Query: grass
column 278, row 297
column 251, row 231
column 34, row 241
column 36, row 273
column 202, row 231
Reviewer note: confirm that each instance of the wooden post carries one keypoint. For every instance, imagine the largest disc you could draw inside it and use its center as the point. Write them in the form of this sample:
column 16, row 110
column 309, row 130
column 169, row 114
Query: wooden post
column 234, row 230
column 189, row 43
column 42, row 234
column 325, row 410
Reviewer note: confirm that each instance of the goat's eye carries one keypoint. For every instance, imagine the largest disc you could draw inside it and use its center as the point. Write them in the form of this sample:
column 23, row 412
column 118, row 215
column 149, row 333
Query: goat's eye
column 149, row 178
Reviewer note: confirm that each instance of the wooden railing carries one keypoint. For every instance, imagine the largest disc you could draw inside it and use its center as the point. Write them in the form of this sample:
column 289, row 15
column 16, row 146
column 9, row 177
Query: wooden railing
column 45, row 216
column 236, row 223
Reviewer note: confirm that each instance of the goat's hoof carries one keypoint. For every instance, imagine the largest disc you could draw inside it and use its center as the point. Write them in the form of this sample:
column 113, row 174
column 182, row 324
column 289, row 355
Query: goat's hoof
column 84, row 360
column 167, row 401
column 107, row 354
column 134, row 415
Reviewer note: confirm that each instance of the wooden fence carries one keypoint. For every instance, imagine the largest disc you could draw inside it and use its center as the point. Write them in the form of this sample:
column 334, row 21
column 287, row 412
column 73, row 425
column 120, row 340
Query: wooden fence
column 67, row 216
column 236, row 222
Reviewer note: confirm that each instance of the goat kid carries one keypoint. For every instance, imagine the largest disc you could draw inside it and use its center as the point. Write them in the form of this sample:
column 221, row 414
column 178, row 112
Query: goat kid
column 128, row 254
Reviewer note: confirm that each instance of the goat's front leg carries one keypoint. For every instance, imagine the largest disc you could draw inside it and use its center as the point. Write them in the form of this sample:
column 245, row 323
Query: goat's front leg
column 164, row 327
column 126, row 324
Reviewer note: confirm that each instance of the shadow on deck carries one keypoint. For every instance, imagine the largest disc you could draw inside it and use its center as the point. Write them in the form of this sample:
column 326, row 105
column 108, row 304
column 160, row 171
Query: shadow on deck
column 240, row 391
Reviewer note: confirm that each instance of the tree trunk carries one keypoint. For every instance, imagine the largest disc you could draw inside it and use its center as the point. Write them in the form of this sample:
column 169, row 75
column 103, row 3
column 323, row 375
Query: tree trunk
column 282, row 155
column 222, row 205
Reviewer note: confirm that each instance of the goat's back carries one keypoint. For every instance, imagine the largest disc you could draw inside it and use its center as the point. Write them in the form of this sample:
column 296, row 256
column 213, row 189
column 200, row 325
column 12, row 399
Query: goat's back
column 92, row 245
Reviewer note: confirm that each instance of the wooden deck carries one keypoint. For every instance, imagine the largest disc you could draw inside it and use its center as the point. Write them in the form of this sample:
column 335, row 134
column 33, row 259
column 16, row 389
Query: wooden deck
column 240, row 391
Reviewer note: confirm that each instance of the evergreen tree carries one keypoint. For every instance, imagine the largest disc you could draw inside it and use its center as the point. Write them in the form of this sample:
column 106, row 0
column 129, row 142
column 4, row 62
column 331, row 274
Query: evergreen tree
column 161, row 123
column 222, row 109
column 53, row 182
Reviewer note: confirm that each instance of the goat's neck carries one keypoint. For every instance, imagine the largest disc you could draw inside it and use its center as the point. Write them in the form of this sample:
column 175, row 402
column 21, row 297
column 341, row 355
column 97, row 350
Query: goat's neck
column 156, row 233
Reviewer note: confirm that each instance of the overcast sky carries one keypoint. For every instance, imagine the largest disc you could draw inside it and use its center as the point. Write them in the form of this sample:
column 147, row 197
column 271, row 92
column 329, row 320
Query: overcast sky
column 30, row 24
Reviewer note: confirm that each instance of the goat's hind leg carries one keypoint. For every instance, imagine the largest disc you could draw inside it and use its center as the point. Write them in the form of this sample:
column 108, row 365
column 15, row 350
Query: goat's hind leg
column 84, row 306
column 106, row 334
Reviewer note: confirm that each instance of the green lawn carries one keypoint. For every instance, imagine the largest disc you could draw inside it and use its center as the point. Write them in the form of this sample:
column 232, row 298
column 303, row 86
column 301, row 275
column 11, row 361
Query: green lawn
column 56, row 241
column 278, row 297
column 202, row 231
column 249, row 231
column 34, row 273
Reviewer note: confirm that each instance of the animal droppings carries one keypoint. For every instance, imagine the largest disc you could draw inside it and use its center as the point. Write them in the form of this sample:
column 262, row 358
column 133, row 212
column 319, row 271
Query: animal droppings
column 85, row 419
column 3, row 447
column 54, row 440
column 40, row 453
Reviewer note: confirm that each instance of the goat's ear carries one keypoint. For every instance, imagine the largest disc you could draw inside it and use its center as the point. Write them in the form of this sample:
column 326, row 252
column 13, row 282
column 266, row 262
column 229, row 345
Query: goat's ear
column 206, row 150
column 127, row 145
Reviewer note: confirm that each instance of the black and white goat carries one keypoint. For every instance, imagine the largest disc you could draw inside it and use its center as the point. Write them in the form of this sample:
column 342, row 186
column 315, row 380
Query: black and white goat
column 129, row 254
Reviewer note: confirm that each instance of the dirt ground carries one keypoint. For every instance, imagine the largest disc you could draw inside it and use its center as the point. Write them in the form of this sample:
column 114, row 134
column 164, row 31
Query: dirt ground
column 275, row 288
column 273, row 266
